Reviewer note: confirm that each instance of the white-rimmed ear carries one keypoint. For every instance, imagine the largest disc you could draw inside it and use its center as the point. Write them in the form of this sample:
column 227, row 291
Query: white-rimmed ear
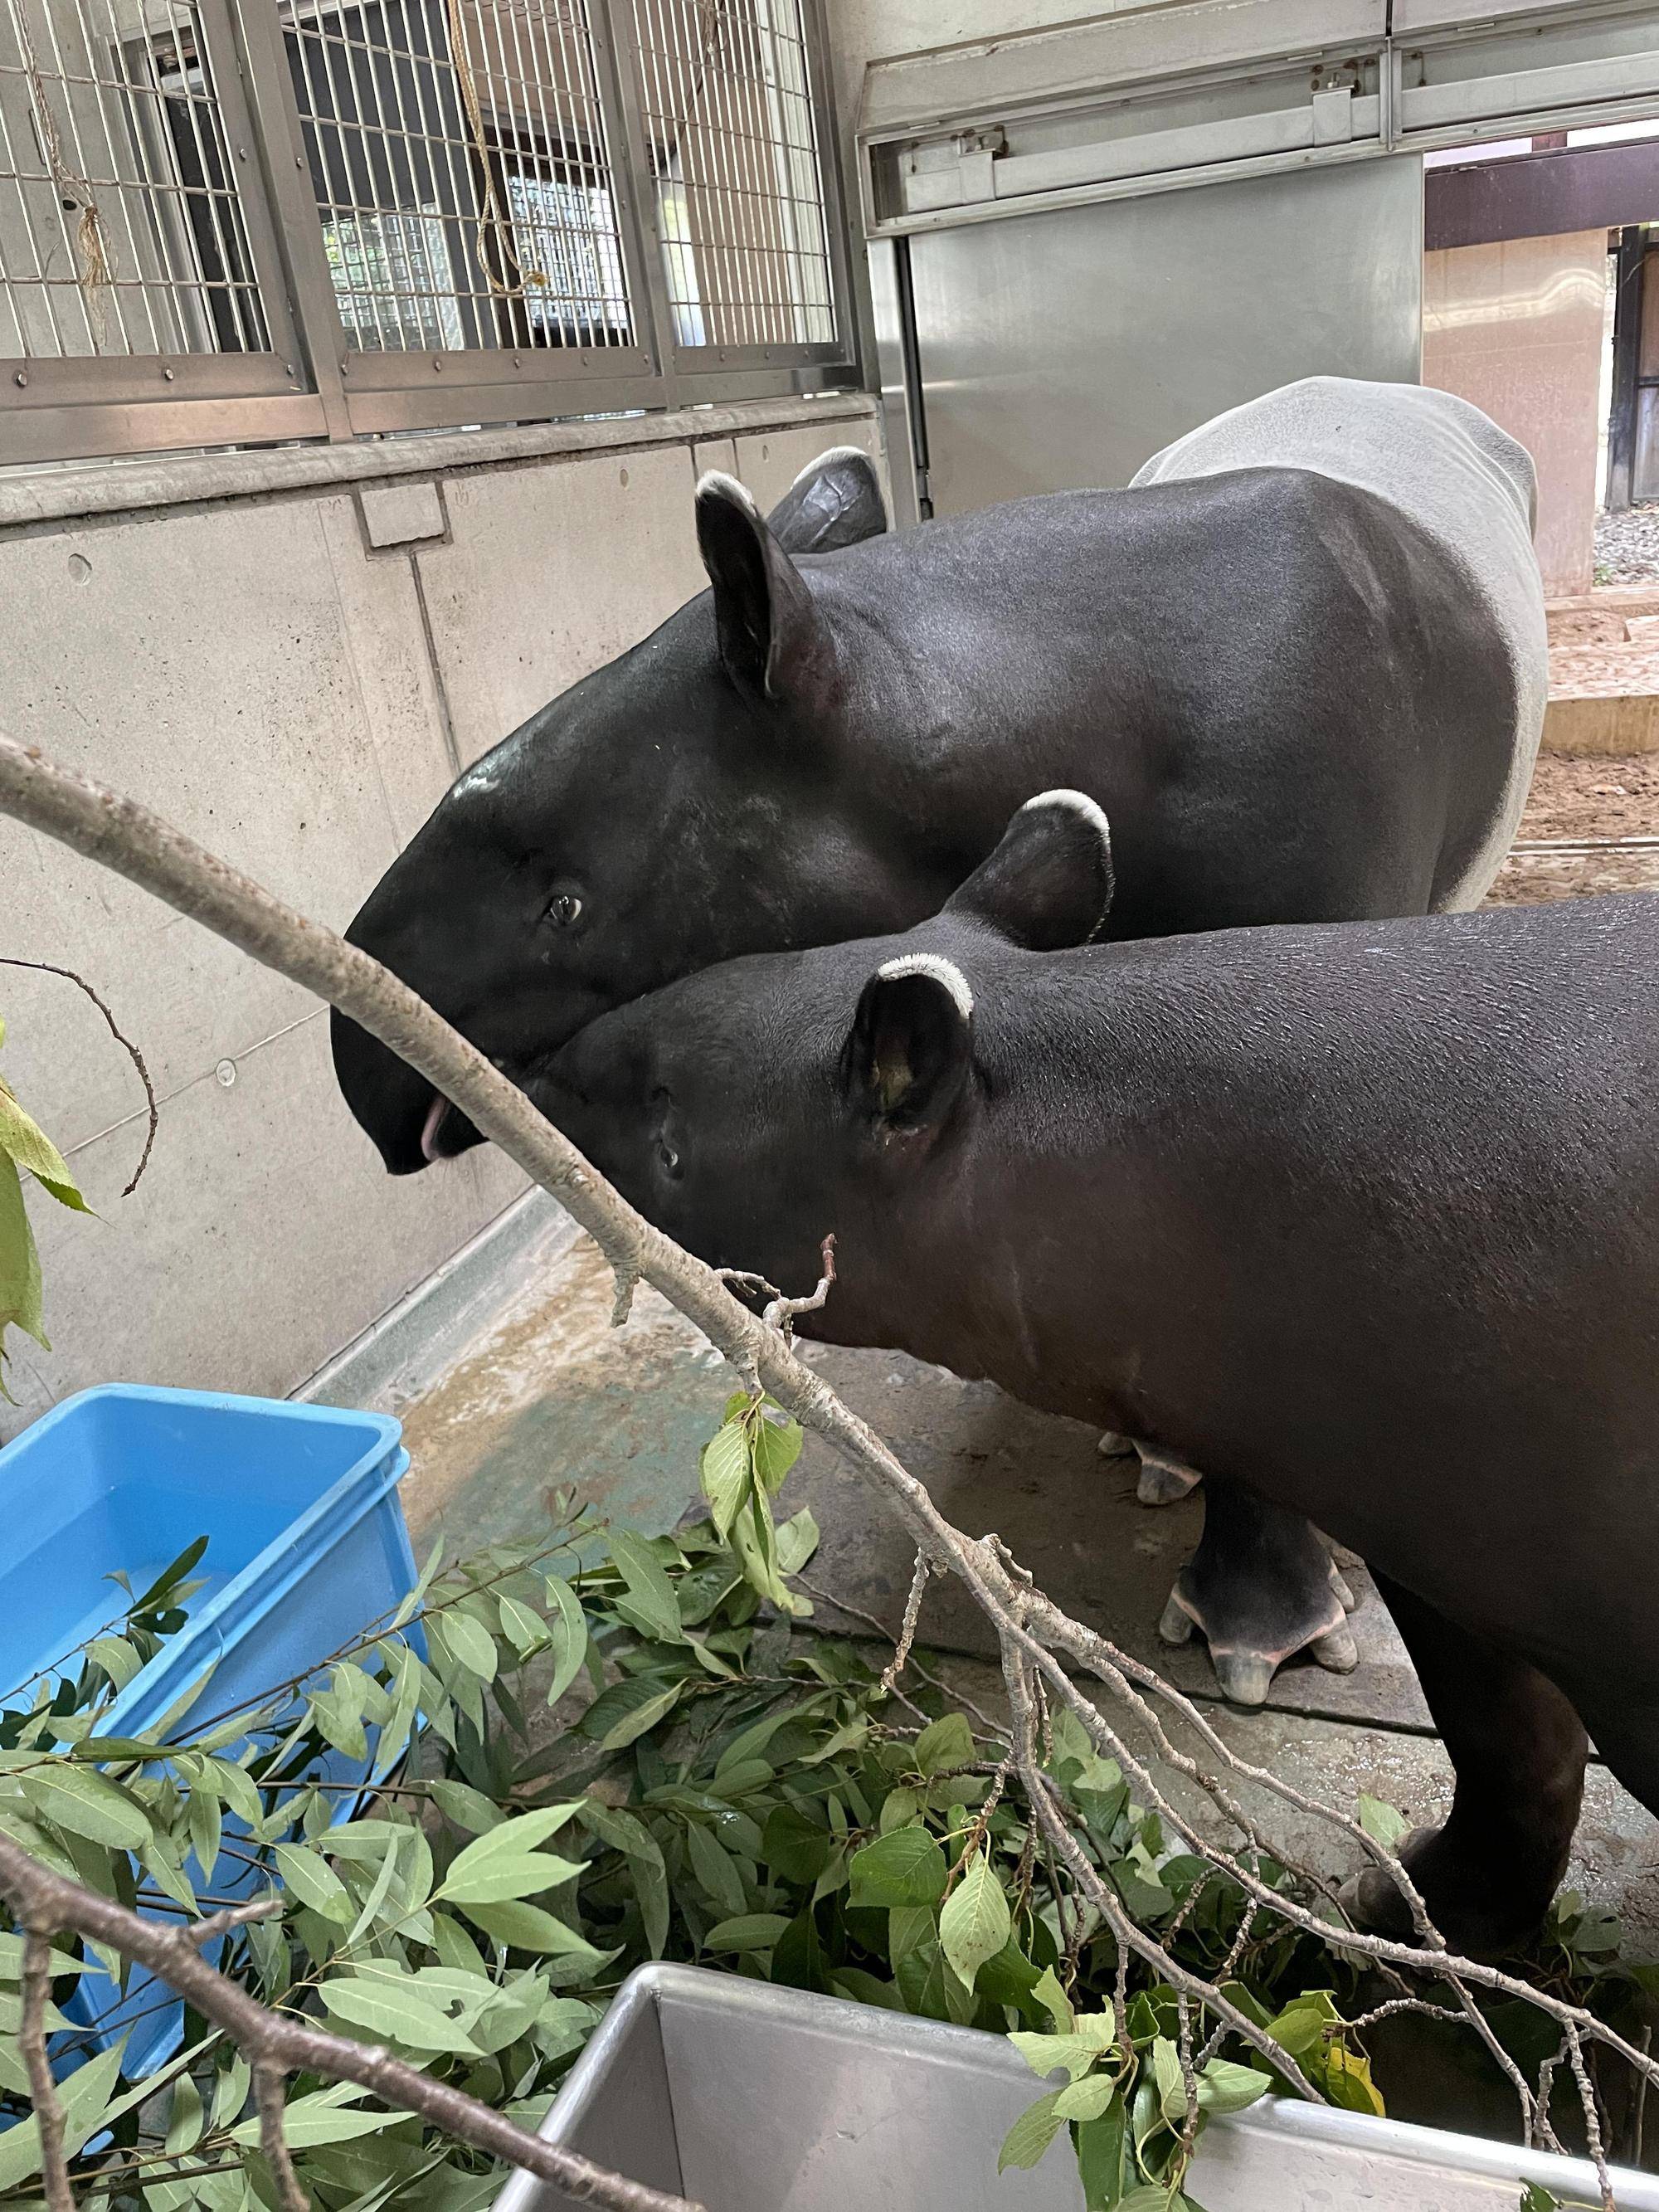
column 1048, row 884
column 836, row 501
column 772, row 640
column 911, row 1044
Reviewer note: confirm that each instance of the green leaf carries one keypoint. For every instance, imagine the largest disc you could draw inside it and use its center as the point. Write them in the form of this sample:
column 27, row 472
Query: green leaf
column 315, row 1883
column 405, row 1701
column 472, row 1877
column 975, row 1923
column 650, row 1594
column 748, row 1931
column 504, row 1879
column 467, row 1808
column 84, row 2097
column 568, row 1629
column 1225, row 2088
column 905, row 1867
column 1053, row 2000
column 23, row 1140
column 1348, row 2083
column 945, row 1745
column 20, row 1269
column 393, row 2013
column 470, row 1640
column 1534, row 2198
column 1381, row 1822
column 310, row 2121
column 1171, row 2083
column 641, row 1715
column 725, row 1474
column 1043, row 2054
column 1102, row 2161
column 1031, row 2134
column 775, row 1446
column 794, row 1845
column 797, row 1538
column 87, row 1803
column 528, row 1928
column 716, row 1870
column 614, row 1718
column 1086, row 2099
column 526, row 1631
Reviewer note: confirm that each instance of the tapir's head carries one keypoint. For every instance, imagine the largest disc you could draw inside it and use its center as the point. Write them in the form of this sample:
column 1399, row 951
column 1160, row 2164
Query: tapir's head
column 752, row 1109
column 659, row 816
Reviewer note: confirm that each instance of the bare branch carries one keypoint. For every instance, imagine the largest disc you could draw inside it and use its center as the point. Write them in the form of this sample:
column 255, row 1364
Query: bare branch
column 270, row 2089
column 43, row 2088
column 46, row 968
column 907, row 1635
column 233, row 1915
column 282, row 2043
column 781, row 1313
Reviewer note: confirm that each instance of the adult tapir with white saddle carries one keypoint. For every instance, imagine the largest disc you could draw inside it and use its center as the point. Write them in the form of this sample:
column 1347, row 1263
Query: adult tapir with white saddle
column 1301, row 661
column 1364, row 1217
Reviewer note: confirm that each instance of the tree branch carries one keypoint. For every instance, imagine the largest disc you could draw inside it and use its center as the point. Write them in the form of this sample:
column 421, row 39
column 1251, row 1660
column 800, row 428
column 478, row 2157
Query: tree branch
column 46, row 968
column 279, row 2044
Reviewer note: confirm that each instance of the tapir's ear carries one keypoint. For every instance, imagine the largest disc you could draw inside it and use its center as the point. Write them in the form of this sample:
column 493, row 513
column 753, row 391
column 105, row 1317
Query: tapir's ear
column 773, row 641
column 836, row 501
column 908, row 1057
column 1048, row 884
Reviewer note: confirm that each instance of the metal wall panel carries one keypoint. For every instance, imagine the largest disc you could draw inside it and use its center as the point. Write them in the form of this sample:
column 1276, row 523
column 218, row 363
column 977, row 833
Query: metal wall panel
column 1062, row 349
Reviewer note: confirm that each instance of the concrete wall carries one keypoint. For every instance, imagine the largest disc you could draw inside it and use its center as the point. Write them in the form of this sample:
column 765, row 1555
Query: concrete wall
column 1518, row 328
column 289, row 664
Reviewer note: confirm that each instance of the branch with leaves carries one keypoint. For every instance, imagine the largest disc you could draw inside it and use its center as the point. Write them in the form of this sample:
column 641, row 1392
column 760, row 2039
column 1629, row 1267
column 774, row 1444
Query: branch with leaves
column 1034, row 1637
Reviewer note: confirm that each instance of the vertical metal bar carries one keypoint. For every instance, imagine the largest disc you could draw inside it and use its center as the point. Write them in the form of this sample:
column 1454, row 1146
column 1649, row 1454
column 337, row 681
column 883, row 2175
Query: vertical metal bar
column 910, row 348
column 279, row 140
column 257, row 227
column 831, row 177
column 618, row 77
column 1624, row 422
column 209, row 194
column 26, row 230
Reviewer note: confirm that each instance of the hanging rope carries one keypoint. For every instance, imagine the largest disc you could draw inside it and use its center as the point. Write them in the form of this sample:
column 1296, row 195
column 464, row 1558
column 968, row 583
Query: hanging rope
column 95, row 270
column 491, row 214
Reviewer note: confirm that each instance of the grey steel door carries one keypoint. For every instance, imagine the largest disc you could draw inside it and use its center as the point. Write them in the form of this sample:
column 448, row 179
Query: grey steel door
column 1063, row 349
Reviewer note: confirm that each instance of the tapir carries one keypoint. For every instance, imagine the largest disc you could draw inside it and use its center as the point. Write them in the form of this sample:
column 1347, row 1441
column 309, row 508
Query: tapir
column 1363, row 1216
column 1302, row 662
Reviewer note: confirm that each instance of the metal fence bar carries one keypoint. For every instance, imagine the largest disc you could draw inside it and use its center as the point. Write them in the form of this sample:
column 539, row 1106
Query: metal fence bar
column 271, row 218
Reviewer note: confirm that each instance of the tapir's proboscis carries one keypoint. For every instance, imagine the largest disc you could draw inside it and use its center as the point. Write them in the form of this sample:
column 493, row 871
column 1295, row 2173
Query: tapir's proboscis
column 1300, row 662
column 1362, row 1216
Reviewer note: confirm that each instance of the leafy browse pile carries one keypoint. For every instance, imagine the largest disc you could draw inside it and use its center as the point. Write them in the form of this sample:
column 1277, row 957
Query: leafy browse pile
column 623, row 1756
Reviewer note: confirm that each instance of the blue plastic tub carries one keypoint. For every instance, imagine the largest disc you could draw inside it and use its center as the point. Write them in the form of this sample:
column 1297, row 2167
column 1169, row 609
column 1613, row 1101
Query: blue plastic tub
column 306, row 1549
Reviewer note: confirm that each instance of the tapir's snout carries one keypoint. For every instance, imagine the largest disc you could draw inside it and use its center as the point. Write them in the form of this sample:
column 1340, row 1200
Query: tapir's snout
column 397, row 1108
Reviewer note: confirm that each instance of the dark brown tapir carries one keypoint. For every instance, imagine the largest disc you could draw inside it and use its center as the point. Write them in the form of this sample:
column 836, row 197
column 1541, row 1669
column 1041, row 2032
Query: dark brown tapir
column 1364, row 1217
column 1301, row 663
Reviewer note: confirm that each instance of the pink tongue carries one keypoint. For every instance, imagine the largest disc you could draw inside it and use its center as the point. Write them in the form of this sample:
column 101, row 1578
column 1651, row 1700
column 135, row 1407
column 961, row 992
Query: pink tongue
column 435, row 1113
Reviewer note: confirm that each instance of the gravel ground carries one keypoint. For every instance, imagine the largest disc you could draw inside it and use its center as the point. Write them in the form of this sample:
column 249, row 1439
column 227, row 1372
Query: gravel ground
column 1583, row 799
column 1627, row 546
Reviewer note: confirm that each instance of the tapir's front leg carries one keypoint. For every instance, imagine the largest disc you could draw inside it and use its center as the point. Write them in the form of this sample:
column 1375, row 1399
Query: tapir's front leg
column 1518, row 1747
column 1262, row 1586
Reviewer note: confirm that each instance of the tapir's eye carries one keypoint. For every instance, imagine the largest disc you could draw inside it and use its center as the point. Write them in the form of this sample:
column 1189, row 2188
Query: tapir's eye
column 668, row 1157
column 563, row 907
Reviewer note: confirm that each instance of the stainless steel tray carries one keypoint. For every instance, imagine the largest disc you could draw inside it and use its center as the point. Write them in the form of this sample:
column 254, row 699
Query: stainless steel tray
column 752, row 2099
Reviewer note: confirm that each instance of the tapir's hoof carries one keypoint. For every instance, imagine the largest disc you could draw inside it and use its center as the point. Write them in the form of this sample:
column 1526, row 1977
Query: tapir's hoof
column 1342, row 1589
column 1114, row 1446
column 1164, row 1481
column 1176, row 1623
column 1338, row 1651
column 1245, row 1676
column 1467, row 1903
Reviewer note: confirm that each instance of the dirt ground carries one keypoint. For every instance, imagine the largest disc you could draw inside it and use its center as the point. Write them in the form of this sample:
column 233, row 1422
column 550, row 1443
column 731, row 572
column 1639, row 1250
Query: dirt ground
column 1582, row 800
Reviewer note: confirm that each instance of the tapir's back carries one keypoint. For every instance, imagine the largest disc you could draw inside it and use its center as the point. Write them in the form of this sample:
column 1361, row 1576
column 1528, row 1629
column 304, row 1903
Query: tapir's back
column 1438, row 460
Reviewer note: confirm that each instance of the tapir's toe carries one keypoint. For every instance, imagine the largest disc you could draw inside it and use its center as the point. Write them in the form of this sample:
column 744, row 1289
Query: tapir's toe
column 1245, row 1676
column 1176, row 1623
column 1164, row 1481
column 1113, row 1445
column 1338, row 1651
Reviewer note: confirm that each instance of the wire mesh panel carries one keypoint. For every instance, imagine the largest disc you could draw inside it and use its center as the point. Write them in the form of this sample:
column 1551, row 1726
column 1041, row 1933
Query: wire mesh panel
column 122, row 226
column 463, row 172
column 726, row 99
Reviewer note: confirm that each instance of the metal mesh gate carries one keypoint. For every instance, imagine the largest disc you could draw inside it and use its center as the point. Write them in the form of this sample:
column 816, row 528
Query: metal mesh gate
column 380, row 214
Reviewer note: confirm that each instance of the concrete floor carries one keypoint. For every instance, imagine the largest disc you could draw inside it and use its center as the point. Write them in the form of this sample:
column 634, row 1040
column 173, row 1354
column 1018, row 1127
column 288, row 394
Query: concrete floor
column 550, row 1395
